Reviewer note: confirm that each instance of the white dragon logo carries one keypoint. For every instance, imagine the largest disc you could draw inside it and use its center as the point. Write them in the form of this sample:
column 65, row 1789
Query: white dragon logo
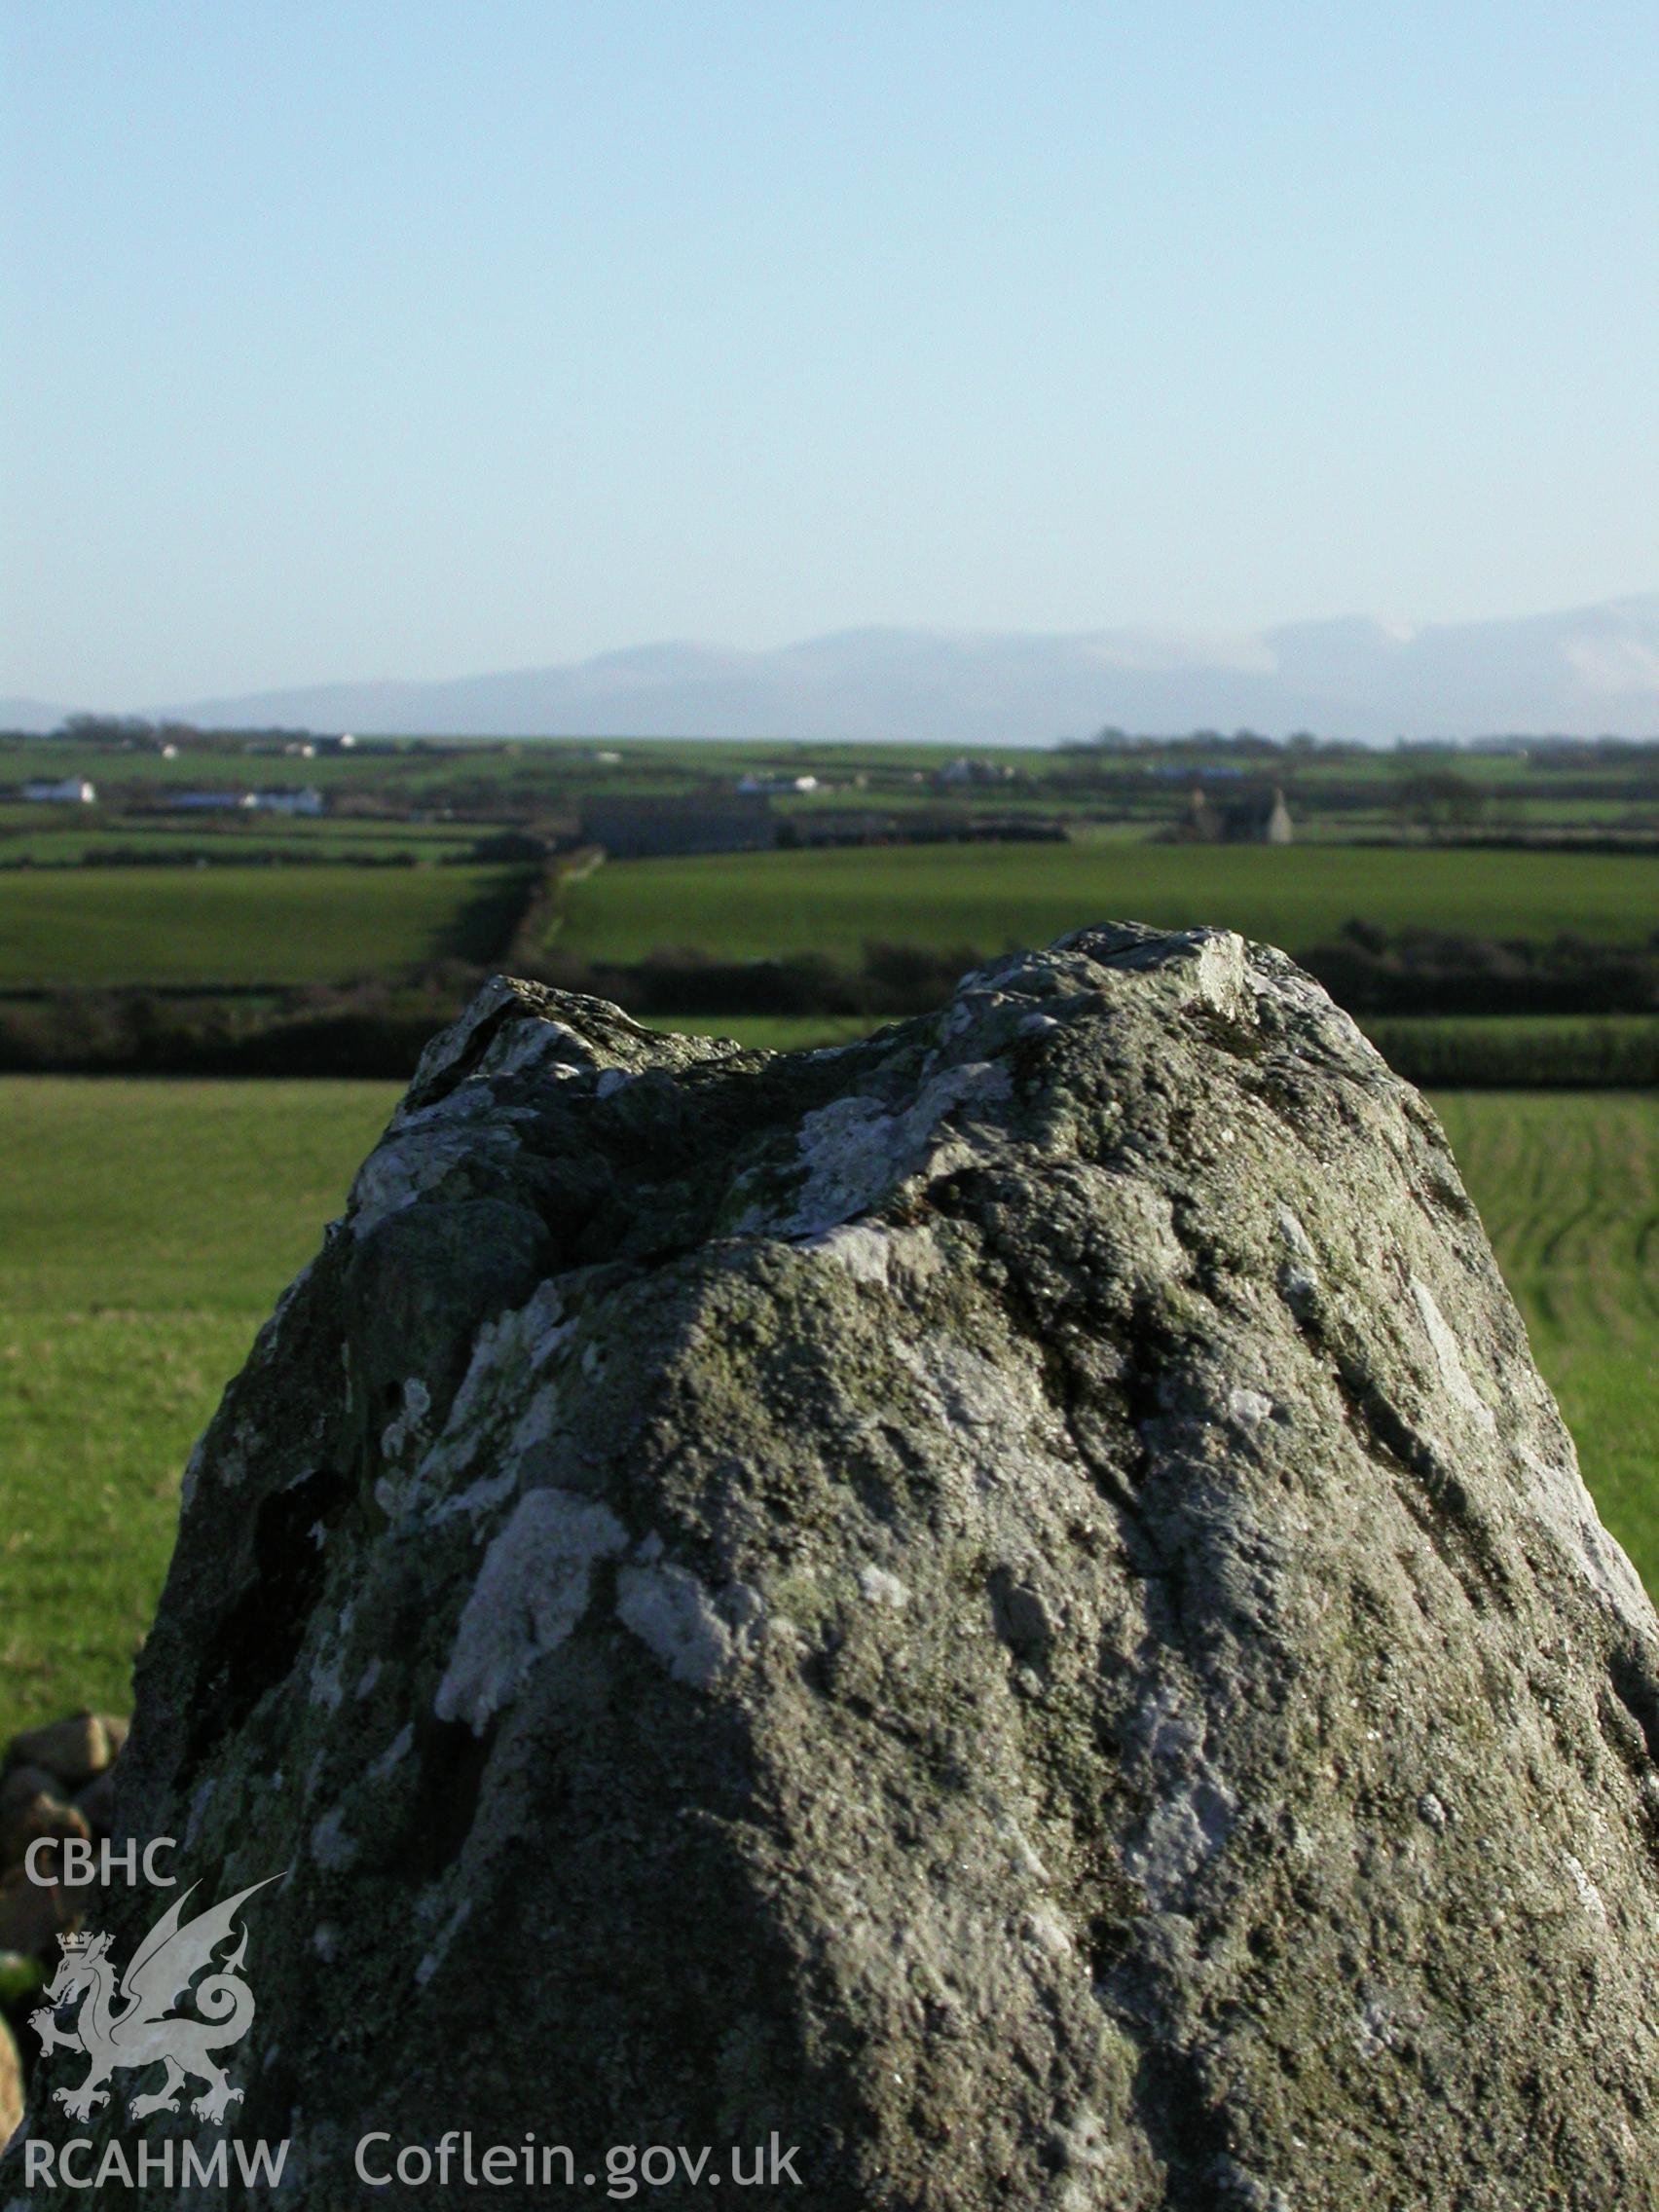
column 132, row 2025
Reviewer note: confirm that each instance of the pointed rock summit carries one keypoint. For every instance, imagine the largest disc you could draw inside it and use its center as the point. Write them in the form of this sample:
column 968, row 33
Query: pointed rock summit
column 999, row 1612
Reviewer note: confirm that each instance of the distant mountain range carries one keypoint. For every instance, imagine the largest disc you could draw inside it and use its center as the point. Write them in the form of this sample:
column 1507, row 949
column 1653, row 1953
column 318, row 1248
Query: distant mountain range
column 1588, row 673
column 33, row 715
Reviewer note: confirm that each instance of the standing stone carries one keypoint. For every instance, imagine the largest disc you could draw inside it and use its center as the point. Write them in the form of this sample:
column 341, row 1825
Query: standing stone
column 1003, row 1605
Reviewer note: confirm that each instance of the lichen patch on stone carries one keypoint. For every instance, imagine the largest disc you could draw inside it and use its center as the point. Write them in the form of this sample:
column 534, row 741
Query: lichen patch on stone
column 676, row 1620
column 1453, row 1372
column 531, row 1593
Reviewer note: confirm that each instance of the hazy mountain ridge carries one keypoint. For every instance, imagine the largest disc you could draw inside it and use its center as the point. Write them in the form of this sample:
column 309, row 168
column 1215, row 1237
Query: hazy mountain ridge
column 1590, row 671
column 35, row 715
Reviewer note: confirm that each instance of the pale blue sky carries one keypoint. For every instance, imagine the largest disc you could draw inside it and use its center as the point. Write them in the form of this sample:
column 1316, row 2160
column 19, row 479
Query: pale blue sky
column 349, row 339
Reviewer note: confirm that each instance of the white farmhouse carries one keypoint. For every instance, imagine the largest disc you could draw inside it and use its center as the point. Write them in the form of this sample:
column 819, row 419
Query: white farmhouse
column 751, row 785
column 69, row 790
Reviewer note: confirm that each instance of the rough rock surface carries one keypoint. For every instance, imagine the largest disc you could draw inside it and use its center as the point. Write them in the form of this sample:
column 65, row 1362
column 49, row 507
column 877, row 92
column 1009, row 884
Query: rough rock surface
column 1005, row 1602
column 11, row 2084
column 74, row 1748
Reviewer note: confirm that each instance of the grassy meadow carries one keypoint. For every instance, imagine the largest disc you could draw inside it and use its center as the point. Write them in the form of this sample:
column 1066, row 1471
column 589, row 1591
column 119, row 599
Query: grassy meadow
column 835, row 901
column 1567, row 1185
column 206, row 926
column 146, row 1228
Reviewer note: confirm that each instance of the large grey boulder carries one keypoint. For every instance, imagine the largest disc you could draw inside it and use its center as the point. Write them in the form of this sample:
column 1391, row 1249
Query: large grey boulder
column 1003, row 1605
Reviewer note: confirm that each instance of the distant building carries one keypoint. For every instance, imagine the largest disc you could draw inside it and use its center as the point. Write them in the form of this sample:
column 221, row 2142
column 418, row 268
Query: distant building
column 281, row 799
column 287, row 799
column 68, row 790
column 915, row 826
column 749, row 786
column 646, row 829
column 969, row 769
column 1261, row 818
column 209, row 802
column 842, row 825
column 1201, row 823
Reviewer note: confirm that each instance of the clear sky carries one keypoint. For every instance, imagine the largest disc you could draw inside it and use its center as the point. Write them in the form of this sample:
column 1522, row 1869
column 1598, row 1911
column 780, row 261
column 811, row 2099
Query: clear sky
column 349, row 339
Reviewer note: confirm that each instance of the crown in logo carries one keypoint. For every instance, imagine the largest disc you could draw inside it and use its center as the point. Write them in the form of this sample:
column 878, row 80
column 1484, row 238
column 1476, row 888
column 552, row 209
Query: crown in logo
column 81, row 1939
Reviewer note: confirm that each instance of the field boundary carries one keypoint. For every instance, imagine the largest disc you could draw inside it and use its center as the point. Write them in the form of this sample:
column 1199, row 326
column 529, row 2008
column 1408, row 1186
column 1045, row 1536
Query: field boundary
column 543, row 915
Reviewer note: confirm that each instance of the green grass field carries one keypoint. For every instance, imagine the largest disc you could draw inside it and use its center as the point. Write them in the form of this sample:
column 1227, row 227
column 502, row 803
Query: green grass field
column 173, row 925
column 146, row 1228
column 755, row 904
column 1567, row 1184
column 56, row 844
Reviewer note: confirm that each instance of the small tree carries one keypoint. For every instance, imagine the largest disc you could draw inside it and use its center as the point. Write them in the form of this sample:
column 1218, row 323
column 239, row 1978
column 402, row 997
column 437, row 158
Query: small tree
column 1440, row 801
